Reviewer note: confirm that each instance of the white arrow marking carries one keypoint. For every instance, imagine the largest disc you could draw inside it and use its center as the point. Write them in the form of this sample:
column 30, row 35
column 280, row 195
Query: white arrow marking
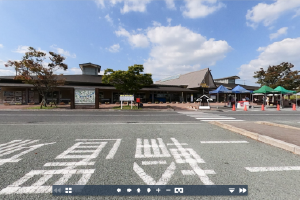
column 149, row 180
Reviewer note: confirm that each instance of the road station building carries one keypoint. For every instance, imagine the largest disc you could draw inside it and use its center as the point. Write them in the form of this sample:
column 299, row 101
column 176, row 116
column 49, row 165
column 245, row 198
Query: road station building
column 178, row 88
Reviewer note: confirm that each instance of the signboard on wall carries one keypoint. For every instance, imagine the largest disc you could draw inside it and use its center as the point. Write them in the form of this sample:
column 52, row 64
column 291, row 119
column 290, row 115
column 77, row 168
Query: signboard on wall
column 84, row 96
column 128, row 97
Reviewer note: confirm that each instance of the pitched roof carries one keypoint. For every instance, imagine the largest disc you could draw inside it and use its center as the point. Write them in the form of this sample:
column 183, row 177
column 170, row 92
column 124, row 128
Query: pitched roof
column 192, row 79
column 229, row 77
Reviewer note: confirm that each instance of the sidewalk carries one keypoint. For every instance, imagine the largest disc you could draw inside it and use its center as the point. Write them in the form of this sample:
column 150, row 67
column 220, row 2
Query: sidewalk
column 286, row 138
column 146, row 107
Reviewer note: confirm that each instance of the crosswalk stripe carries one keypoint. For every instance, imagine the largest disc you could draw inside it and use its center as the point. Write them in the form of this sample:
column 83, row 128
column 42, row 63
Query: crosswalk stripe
column 207, row 117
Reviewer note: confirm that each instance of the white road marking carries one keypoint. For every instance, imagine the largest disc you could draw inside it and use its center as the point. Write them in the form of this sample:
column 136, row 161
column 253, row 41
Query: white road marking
column 113, row 151
column 171, row 144
column 191, row 172
column 217, row 118
column 149, row 180
column 160, row 162
column 18, row 145
column 222, row 142
column 186, row 154
column 222, row 120
column 272, row 169
column 154, row 147
column 67, row 172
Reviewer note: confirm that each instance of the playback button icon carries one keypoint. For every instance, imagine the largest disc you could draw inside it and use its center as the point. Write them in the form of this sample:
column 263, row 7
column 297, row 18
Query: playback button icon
column 242, row 190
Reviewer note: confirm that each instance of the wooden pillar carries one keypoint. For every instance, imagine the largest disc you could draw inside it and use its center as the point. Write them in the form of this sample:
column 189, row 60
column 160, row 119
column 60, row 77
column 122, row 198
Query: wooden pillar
column 96, row 98
column 72, row 98
column 26, row 96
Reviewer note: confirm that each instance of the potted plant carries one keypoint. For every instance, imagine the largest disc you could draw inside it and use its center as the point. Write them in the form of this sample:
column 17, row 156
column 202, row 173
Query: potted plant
column 156, row 102
column 6, row 104
column 62, row 103
column 30, row 103
column 167, row 102
column 161, row 102
column 173, row 102
column 106, row 103
column 149, row 102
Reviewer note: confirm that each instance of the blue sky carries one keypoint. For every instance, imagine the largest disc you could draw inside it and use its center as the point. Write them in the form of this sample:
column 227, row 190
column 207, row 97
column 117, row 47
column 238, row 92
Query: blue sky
column 231, row 37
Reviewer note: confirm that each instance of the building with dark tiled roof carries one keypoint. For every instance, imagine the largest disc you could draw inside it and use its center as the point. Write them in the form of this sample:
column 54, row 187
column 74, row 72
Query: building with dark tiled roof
column 179, row 88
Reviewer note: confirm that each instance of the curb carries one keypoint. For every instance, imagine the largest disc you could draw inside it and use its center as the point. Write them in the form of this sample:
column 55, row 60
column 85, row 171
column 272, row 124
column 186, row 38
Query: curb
column 278, row 125
column 262, row 138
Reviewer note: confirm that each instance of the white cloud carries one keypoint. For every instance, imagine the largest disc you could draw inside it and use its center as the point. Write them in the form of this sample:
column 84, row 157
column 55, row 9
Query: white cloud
column 1, row 45
column 21, row 49
column 100, row 3
column 135, row 40
column 109, row 19
column 170, row 4
column 286, row 50
column 282, row 31
column 297, row 13
column 135, row 5
column 169, row 21
column 155, row 23
column 268, row 13
column 129, row 5
column 6, row 71
column 201, row 8
column 114, row 48
column 178, row 49
column 63, row 52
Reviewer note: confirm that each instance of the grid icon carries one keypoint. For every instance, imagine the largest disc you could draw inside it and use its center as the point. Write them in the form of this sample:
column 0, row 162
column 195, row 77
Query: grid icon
column 68, row 190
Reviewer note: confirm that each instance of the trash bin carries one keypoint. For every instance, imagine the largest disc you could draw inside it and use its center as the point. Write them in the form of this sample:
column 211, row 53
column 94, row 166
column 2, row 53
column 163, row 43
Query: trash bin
column 141, row 105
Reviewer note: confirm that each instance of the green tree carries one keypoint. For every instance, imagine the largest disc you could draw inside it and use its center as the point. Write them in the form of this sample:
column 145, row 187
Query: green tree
column 129, row 82
column 33, row 70
column 279, row 75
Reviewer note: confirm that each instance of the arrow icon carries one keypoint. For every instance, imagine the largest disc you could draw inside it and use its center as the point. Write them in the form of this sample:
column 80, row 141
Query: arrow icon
column 231, row 190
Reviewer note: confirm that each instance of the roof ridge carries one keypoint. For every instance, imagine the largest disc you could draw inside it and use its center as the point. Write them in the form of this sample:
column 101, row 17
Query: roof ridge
column 195, row 71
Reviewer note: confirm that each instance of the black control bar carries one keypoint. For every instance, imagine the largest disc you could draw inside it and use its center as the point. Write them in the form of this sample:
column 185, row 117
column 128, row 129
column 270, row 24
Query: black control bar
column 150, row 190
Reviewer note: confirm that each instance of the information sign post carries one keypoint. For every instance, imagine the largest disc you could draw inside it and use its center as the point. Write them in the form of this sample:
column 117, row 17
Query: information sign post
column 127, row 97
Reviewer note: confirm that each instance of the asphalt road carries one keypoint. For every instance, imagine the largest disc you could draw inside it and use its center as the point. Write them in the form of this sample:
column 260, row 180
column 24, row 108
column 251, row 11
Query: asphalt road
column 123, row 159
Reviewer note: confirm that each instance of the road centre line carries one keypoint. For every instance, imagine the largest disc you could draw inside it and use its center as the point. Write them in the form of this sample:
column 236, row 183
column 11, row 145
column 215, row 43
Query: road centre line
column 222, row 142
column 270, row 169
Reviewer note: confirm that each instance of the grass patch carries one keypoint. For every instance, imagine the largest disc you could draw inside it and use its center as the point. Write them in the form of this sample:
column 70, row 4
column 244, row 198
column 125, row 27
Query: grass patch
column 43, row 107
column 126, row 108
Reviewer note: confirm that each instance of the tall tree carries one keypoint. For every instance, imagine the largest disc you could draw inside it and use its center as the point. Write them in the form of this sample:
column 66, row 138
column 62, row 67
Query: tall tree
column 33, row 70
column 129, row 82
column 279, row 75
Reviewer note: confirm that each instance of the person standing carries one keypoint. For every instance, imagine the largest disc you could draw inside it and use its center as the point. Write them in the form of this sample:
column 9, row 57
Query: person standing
column 267, row 100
